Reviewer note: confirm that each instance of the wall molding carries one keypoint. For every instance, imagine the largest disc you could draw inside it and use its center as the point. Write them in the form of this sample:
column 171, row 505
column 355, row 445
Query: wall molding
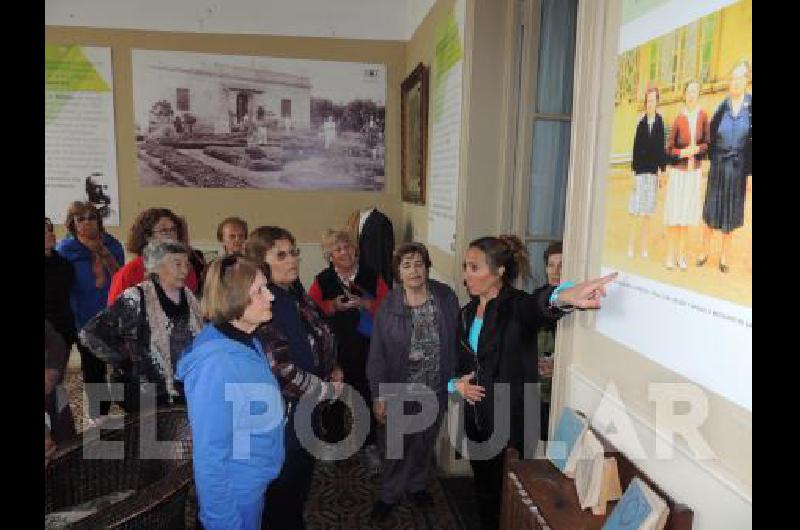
column 719, row 501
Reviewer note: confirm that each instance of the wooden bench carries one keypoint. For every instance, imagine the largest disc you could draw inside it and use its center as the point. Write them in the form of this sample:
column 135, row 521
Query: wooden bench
column 537, row 496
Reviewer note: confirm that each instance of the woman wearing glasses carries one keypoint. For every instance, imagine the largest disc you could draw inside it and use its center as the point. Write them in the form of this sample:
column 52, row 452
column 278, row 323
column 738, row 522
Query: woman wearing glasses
column 95, row 256
column 235, row 407
column 153, row 223
column 304, row 359
column 349, row 295
column 143, row 332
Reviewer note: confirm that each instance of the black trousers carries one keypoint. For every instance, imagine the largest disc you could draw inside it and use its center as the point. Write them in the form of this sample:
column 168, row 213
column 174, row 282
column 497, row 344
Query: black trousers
column 94, row 371
column 353, row 354
column 286, row 495
column 488, row 480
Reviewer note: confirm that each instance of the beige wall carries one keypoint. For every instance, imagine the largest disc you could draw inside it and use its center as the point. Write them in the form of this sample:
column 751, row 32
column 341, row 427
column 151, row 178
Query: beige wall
column 305, row 213
column 484, row 135
column 421, row 49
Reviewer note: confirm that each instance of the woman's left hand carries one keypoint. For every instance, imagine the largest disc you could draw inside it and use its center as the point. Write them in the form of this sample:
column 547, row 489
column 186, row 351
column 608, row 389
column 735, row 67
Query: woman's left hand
column 586, row 295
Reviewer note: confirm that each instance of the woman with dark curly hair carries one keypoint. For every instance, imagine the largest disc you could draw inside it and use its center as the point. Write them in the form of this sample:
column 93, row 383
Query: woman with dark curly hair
column 153, row 223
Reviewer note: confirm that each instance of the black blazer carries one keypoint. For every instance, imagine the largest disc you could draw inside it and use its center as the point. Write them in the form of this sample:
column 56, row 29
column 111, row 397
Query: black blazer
column 649, row 154
column 507, row 353
column 376, row 245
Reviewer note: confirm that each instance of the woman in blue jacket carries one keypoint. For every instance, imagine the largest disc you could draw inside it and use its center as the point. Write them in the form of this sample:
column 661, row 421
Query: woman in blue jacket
column 95, row 256
column 235, row 406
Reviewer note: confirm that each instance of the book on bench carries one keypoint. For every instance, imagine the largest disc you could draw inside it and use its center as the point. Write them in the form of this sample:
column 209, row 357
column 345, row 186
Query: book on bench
column 563, row 450
column 638, row 509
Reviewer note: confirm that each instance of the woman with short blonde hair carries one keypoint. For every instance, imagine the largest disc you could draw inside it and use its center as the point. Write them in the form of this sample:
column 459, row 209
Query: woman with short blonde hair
column 350, row 294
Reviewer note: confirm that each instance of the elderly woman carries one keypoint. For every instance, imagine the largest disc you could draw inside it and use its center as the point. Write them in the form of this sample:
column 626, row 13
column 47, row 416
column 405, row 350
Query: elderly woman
column 95, row 257
column 413, row 342
column 153, row 223
column 144, row 331
column 232, row 233
column 731, row 167
column 350, row 295
column 304, row 359
column 235, row 407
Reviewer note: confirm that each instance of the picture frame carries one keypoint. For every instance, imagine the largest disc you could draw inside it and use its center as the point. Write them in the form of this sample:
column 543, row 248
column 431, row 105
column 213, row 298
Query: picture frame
column 414, row 134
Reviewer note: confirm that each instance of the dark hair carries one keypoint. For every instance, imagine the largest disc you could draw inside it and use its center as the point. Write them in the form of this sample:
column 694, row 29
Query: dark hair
column 77, row 208
column 262, row 239
column 505, row 251
column 652, row 89
column 142, row 228
column 409, row 248
column 231, row 221
column 557, row 247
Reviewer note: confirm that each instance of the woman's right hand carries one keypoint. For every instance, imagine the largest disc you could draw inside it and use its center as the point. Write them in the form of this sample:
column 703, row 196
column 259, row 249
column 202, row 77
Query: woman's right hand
column 472, row 393
column 339, row 303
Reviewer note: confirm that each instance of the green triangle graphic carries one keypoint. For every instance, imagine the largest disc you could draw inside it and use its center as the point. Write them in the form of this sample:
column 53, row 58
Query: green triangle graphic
column 66, row 71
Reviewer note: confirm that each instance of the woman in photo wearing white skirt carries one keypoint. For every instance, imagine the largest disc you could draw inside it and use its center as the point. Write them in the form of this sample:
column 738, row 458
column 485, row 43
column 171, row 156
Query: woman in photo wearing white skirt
column 687, row 146
column 649, row 160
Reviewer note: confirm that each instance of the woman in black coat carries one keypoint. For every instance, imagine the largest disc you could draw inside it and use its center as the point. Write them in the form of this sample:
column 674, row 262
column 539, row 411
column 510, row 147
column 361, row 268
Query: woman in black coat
column 497, row 333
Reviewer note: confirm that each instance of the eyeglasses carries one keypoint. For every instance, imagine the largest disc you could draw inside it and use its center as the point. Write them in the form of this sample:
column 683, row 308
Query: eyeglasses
column 226, row 263
column 166, row 231
column 86, row 217
column 283, row 254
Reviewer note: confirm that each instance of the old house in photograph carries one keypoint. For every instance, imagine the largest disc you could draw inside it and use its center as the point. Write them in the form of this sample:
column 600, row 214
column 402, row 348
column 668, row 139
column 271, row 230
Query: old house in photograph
column 220, row 98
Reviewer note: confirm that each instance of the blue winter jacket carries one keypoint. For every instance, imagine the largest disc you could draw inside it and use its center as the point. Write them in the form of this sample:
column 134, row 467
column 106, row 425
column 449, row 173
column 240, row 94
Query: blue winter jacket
column 237, row 417
column 85, row 298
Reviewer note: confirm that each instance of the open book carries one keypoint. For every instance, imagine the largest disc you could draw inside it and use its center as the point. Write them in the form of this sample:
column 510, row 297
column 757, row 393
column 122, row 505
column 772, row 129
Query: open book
column 638, row 509
column 563, row 449
column 589, row 470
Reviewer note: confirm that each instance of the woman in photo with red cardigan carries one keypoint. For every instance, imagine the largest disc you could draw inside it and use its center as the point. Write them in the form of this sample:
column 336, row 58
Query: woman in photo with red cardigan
column 687, row 146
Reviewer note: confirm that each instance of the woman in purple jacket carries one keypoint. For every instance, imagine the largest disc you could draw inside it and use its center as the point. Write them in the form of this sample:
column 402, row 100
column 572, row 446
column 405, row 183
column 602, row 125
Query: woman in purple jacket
column 413, row 344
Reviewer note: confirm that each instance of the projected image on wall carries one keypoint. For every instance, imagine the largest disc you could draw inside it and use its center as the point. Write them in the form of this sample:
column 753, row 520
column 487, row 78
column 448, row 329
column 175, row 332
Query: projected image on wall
column 678, row 198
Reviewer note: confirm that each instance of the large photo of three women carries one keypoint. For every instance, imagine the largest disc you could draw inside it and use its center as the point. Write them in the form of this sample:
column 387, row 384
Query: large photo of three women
column 679, row 190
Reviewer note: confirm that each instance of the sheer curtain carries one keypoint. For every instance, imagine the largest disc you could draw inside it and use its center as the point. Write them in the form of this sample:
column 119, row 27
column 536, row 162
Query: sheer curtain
column 551, row 129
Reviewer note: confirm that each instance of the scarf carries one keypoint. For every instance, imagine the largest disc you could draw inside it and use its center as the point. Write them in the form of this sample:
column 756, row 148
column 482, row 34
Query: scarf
column 102, row 261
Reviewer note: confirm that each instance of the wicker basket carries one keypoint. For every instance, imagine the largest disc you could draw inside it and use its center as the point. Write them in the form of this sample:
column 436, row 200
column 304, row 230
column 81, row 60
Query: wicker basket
column 163, row 485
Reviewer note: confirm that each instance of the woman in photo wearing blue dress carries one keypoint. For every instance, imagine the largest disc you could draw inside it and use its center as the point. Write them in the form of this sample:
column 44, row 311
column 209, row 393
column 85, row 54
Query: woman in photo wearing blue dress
column 731, row 165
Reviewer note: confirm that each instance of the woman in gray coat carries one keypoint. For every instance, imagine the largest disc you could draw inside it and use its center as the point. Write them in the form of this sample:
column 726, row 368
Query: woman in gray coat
column 413, row 345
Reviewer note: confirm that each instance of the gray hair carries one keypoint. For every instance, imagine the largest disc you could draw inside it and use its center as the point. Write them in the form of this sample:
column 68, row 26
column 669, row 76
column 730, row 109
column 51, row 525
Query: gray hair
column 155, row 251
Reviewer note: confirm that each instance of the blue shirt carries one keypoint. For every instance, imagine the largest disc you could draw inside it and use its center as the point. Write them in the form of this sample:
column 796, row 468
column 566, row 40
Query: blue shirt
column 475, row 333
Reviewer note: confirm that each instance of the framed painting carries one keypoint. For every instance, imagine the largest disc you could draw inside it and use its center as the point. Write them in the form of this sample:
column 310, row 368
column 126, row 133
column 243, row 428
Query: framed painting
column 414, row 133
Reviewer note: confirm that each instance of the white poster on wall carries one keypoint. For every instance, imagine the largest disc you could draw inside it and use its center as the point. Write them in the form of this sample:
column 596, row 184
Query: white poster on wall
column 445, row 133
column 80, row 141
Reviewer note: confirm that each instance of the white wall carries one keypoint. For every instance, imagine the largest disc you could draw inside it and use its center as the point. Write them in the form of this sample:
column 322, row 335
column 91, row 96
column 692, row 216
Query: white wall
column 351, row 19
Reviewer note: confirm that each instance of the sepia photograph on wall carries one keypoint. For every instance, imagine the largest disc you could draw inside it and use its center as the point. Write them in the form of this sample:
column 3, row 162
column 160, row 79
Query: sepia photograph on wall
column 225, row 121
